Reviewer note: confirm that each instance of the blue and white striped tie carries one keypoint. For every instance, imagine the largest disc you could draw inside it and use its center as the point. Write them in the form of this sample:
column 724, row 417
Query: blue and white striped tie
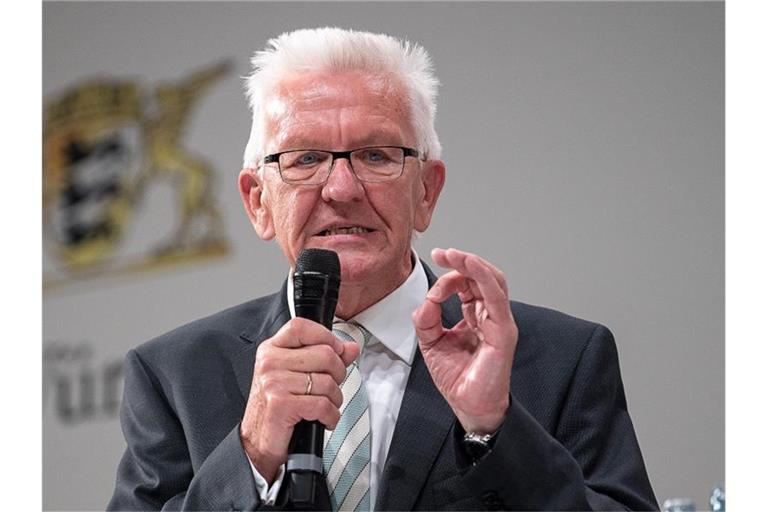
column 347, row 454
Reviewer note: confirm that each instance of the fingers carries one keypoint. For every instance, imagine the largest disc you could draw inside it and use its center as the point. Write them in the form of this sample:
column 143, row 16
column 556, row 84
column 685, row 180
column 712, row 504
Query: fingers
column 350, row 353
column 316, row 409
column 288, row 396
column 300, row 332
column 284, row 362
column 468, row 291
column 296, row 383
column 317, row 358
column 287, row 409
column 451, row 257
column 300, row 348
column 302, row 345
column 449, row 284
column 473, row 279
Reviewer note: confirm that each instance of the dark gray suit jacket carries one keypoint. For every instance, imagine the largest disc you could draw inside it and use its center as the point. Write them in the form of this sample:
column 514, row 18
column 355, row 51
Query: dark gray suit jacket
column 567, row 442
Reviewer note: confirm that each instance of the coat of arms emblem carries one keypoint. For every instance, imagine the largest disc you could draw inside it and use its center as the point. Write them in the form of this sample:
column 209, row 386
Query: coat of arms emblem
column 106, row 145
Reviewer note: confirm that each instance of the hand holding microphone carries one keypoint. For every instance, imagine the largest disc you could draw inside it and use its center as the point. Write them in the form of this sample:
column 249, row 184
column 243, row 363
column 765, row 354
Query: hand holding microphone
column 297, row 373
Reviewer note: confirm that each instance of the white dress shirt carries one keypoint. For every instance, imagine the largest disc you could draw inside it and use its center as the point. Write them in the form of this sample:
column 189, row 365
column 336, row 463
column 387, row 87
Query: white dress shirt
column 384, row 368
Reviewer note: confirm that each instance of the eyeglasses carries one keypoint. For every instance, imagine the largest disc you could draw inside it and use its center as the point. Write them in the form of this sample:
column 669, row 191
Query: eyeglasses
column 313, row 166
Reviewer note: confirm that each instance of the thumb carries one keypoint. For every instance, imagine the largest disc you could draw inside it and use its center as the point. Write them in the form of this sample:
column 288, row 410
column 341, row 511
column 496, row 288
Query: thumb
column 350, row 352
column 428, row 323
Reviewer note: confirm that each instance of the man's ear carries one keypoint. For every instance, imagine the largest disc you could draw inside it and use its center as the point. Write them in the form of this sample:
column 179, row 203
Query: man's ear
column 432, row 181
column 253, row 194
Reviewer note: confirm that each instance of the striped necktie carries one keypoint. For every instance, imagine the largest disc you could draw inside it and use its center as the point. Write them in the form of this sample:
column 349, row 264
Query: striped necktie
column 347, row 453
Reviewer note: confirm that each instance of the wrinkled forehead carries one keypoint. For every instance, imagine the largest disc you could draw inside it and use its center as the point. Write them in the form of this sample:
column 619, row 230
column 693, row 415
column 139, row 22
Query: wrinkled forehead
column 309, row 102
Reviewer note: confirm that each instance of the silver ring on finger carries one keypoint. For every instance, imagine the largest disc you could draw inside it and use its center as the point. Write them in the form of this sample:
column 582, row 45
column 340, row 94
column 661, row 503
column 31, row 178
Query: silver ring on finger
column 308, row 391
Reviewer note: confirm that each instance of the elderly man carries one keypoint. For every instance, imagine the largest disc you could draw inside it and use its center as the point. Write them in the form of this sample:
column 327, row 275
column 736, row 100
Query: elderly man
column 437, row 393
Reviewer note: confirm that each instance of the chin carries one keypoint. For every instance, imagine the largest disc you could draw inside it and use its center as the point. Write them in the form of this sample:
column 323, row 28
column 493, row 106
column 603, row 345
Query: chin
column 373, row 270
column 356, row 269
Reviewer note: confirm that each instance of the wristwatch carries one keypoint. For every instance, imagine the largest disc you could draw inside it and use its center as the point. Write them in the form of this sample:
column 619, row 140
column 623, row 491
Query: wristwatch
column 477, row 446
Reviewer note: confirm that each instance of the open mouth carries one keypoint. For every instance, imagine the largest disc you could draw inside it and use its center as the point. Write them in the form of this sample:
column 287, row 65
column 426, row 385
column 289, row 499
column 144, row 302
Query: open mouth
column 345, row 230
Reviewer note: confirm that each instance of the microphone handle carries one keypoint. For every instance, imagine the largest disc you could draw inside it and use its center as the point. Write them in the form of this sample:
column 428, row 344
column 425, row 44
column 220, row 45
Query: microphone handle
column 305, row 487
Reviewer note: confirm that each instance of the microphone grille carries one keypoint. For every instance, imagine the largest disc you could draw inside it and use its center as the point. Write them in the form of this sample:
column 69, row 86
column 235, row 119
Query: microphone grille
column 319, row 260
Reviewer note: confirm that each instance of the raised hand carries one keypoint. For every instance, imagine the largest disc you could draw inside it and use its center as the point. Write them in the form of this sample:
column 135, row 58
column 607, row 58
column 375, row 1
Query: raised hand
column 471, row 363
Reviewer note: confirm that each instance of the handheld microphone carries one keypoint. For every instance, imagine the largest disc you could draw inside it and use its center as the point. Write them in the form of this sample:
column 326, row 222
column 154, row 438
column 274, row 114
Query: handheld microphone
column 315, row 293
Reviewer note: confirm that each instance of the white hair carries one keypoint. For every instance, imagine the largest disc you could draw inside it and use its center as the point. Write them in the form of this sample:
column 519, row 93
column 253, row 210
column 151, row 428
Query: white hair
column 335, row 50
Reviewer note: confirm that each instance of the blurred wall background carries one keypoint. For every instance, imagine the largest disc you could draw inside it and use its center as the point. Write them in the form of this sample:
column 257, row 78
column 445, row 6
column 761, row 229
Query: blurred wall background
column 584, row 144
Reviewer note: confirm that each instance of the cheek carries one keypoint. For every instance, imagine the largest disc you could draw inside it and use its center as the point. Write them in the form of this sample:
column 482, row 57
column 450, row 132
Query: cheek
column 398, row 207
column 292, row 210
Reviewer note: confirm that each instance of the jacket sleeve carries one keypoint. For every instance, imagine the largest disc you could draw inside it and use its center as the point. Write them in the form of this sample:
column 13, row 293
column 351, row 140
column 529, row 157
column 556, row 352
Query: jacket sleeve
column 593, row 461
column 156, row 473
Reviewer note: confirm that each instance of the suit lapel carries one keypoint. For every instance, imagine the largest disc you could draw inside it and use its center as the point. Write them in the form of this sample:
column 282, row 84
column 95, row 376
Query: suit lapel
column 265, row 325
column 424, row 420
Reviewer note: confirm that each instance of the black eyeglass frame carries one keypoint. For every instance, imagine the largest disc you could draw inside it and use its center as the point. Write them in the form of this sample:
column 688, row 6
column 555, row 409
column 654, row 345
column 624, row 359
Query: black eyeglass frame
column 275, row 158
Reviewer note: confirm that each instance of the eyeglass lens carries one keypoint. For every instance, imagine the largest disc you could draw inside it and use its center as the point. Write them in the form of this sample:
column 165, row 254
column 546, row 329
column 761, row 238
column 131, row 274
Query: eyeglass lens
column 369, row 164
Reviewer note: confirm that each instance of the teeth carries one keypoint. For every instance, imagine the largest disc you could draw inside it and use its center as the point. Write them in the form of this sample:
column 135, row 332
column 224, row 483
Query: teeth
column 345, row 231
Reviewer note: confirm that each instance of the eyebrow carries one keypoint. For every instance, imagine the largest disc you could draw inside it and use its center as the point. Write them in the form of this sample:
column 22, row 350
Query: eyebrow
column 376, row 137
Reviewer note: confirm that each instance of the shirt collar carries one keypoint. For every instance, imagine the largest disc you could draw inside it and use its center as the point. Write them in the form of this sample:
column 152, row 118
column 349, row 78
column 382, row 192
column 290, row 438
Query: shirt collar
column 399, row 336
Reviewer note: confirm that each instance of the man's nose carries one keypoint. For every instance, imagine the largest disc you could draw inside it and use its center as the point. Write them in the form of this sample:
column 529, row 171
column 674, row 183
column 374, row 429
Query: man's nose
column 342, row 184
